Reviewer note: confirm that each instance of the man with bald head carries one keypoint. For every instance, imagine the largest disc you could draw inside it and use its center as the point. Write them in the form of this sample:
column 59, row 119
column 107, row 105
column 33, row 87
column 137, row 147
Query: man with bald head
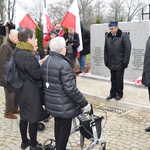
column 6, row 49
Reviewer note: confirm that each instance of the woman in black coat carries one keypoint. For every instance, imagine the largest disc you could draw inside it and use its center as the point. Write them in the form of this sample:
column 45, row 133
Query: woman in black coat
column 31, row 110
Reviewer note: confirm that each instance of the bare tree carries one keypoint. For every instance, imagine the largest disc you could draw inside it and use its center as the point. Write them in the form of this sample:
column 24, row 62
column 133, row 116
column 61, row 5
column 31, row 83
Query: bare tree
column 116, row 8
column 2, row 10
column 133, row 7
column 11, row 8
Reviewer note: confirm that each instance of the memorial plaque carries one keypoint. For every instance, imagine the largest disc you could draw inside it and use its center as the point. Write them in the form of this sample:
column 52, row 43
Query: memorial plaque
column 138, row 33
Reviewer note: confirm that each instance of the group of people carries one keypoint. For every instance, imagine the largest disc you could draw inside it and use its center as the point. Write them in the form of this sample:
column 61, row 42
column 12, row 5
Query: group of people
column 55, row 72
column 62, row 99
column 72, row 43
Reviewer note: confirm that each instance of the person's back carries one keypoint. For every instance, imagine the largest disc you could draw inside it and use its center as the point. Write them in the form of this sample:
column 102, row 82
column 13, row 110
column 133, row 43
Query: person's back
column 63, row 100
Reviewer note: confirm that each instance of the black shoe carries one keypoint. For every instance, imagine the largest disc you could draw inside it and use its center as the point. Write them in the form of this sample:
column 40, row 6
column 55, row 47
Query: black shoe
column 118, row 97
column 25, row 145
column 38, row 147
column 147, row 129
column 110, row 97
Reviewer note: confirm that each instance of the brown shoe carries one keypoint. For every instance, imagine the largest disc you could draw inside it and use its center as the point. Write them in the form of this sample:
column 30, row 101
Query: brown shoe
column 16, row 111
column 11, row 116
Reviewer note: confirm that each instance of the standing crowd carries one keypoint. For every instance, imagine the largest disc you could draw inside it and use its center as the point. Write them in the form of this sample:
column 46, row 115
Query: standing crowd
column 54, row 72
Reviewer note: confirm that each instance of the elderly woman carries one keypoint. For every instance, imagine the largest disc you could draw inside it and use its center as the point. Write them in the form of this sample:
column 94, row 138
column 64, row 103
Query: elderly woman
column 31, row 110
column 63, row 100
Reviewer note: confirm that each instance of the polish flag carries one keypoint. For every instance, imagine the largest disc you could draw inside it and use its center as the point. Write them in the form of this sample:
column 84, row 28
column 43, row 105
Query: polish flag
column 23, row 19
column 72, row 20
column 47, row 25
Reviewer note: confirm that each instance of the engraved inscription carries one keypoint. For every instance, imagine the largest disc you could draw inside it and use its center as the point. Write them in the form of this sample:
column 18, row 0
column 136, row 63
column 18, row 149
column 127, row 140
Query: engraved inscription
column 138, row 56
column 98, row 56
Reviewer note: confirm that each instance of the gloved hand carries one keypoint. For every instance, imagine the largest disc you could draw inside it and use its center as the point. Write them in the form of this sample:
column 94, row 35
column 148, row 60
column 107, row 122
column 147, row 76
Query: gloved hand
column 125, row 65
column 87, row 108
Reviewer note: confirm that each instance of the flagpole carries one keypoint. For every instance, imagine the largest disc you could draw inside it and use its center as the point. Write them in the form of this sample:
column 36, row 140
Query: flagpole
column 44, row 3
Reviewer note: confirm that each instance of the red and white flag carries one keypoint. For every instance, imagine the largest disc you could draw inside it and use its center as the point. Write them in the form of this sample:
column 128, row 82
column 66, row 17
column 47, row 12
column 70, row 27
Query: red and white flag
column 72, row 20
column 23, row 19
column 47, row 25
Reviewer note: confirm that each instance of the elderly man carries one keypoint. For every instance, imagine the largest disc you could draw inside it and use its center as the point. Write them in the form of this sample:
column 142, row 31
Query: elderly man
column 72, row 43
column 63, row 100
column 117, row 51
column 6, row 49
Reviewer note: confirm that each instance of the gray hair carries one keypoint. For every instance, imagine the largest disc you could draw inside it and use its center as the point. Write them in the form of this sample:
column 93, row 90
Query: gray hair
column 13, row 32
column 57, row 44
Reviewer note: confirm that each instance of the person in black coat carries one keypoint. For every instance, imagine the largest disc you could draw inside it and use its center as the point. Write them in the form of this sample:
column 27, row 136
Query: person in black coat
column 72, row 43
column 30, row 103
column 63, row 100
column 146, row 71
column 117, row 51
column 86, row 48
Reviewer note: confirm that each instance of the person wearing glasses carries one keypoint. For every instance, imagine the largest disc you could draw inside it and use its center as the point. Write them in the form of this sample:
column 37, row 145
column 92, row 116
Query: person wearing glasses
column 117, row 51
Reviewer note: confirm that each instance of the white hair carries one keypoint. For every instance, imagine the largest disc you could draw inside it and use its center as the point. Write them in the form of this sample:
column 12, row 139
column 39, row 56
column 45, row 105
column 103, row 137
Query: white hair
column 13, row 32
column 57, row 44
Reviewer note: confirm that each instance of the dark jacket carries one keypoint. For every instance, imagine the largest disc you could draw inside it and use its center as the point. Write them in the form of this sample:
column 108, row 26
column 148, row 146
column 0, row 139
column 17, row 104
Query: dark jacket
column 6, row 49
column 86, row 41
column 75, row 42
column 146, row 66
column 62, row 97
column 117, row 51
column 30, row 102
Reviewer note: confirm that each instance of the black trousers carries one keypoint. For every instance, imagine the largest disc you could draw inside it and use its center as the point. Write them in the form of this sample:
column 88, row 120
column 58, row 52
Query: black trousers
column 117, row 77
column 32, row 132
column 149, row 93
column 62, row 132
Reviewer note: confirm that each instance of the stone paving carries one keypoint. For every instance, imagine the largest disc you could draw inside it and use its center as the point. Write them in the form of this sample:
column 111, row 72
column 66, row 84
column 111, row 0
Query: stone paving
column 123, row 128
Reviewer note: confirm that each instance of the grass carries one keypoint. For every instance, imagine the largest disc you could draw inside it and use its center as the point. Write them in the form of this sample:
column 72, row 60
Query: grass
column 88, row 58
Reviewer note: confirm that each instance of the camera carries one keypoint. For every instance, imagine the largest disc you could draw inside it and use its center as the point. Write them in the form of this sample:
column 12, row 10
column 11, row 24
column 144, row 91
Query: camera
column 70, row 38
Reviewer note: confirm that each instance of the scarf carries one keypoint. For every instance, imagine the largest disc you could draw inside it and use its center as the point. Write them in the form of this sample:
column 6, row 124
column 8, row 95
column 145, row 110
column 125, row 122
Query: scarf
column 25, row 46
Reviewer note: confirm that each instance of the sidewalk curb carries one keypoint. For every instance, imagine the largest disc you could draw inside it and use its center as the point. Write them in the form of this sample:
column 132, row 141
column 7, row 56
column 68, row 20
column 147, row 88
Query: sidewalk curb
column 123, row 104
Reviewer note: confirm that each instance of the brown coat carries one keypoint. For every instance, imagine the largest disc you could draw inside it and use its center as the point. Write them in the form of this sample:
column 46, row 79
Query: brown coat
column 6, row 50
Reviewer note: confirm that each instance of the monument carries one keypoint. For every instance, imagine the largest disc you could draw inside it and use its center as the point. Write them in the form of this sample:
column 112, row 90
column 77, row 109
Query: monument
column 138, row 33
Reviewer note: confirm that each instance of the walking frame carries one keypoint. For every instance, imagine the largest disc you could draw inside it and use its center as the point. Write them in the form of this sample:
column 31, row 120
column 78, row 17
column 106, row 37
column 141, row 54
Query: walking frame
column 89, row 127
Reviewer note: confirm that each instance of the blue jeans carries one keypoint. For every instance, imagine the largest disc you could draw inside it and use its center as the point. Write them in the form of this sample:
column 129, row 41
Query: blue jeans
column 81, row 60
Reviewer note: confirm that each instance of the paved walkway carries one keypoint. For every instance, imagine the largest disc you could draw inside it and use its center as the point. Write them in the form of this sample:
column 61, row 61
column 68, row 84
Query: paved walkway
column 122, row 127
column 95, row 87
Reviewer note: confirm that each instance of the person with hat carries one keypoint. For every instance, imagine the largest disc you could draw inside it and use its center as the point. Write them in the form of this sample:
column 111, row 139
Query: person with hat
column 58, row 29
column 53, row 34
column 117, row 51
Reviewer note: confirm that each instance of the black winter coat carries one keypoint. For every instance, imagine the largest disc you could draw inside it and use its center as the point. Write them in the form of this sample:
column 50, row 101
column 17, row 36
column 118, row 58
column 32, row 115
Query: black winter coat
column 86, row 41
column 30, row 102
column 117, row 51
column 76, row 42
column 62, row 97
column 146, row 67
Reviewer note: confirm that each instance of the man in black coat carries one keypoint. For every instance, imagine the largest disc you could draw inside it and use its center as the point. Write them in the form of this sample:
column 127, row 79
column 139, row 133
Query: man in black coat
column 146, row 71
column 86, row 48
column 72, row 43
column 116, row 57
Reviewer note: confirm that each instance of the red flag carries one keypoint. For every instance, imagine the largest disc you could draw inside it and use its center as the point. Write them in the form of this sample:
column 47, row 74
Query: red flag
column 47, row 25
column 23, row 19
column 27, row 22
column 72, row 20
